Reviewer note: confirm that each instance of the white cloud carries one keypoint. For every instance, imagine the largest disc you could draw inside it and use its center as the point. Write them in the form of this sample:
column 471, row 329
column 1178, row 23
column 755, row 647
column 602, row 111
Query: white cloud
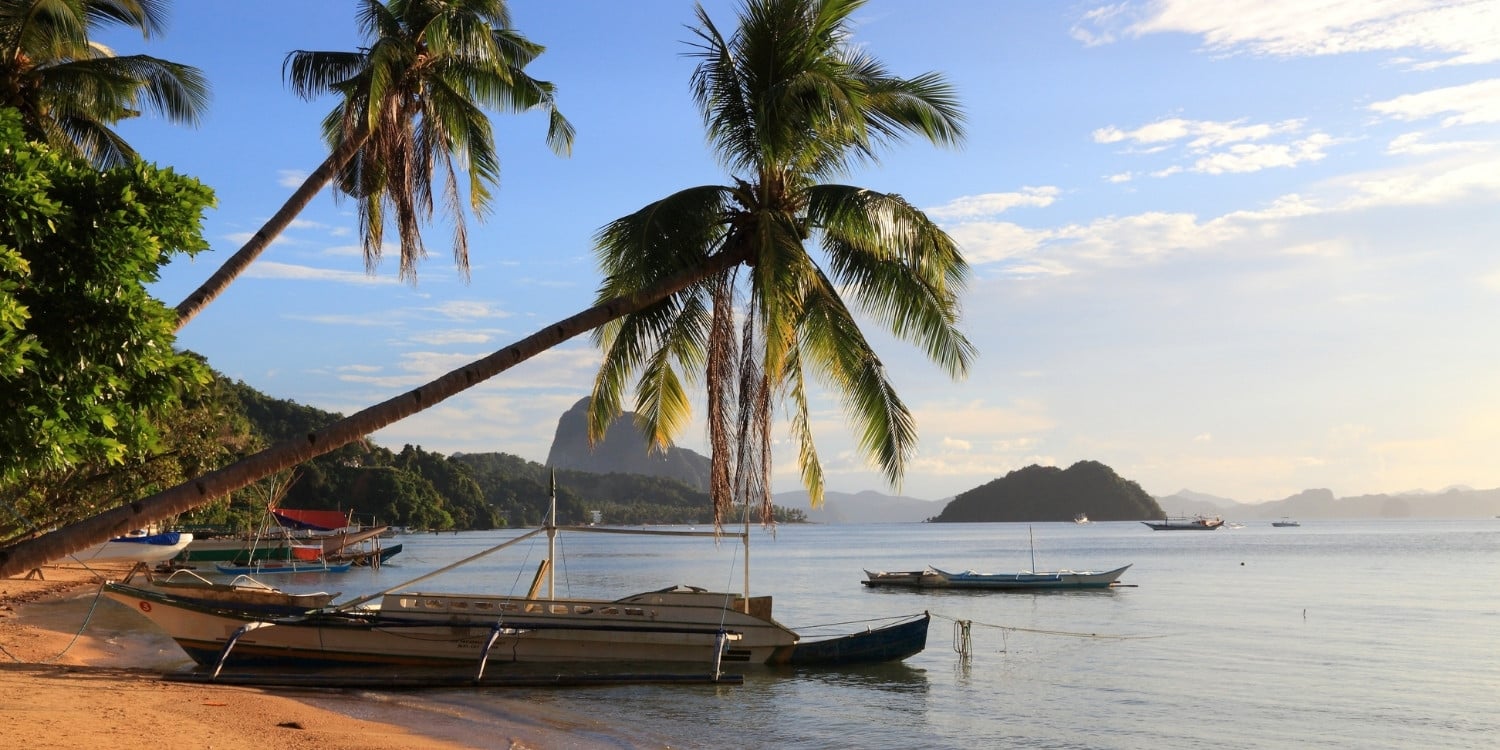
column 1470, row 104
column 991, row 204
column 442, row 338
column 291, row 178
column 1222, row 147
column 1248, row 157
column 1454, row 32
column 339, row 320
column 266, row 269
column 469, row 310
column 1206, row 437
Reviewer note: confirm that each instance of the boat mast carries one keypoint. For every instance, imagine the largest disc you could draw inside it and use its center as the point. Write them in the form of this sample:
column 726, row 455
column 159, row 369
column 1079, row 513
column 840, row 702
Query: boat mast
column 552, row 535
column 1033, row 548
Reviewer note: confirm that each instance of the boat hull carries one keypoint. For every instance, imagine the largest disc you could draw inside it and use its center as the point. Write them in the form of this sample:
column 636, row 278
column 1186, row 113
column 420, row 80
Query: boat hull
column 939, row 579
column 878, row 645
column 436, row 629
column 152, row 548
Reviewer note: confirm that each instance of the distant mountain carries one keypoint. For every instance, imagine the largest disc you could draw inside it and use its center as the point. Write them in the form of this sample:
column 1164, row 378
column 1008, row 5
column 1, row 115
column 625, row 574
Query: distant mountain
column 622, row 451
column 862, row 507
column 1321, row 503
column 1047, row 493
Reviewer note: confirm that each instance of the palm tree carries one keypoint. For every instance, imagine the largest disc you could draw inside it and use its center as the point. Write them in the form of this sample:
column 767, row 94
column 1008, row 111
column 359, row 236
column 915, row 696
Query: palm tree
column 411, row 104
column 665, row 294
column 789, row 104
column 70, row 90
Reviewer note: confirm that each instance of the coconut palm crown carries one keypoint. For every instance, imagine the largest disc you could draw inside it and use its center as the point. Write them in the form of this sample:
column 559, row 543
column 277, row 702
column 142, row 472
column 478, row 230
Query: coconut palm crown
column 789, row 105
column 70, row 89
column 413, row 102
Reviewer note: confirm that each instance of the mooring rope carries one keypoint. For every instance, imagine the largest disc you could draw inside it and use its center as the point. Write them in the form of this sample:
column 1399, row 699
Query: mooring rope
column 1064, row 633
column 86, row 618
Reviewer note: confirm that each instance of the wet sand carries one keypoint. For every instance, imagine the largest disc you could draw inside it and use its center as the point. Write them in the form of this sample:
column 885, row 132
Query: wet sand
column 62, row 688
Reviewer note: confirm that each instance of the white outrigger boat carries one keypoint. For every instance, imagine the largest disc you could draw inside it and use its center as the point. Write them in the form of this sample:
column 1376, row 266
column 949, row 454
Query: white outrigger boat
column 674, row 625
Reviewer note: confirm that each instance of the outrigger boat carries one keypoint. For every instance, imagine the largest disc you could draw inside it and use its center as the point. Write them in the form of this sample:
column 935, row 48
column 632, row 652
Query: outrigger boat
column 932, row 578
column 1183, row 523
column 674, row 625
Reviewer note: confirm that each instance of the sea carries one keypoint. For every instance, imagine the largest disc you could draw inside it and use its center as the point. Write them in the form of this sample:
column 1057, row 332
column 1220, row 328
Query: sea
column 1335, row 634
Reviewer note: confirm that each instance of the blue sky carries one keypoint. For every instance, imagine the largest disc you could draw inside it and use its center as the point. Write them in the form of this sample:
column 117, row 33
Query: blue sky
column 1244, row 248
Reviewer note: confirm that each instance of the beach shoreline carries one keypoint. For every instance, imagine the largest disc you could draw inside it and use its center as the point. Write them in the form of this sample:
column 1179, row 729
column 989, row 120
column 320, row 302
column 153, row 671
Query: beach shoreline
column 78, row 670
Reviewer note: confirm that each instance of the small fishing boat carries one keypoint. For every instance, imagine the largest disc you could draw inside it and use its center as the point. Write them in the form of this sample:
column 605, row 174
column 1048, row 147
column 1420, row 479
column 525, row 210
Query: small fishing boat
column 933, row 578
column 1185, row 523
column 1081, row 519
column 295, row 565
column 136, row 547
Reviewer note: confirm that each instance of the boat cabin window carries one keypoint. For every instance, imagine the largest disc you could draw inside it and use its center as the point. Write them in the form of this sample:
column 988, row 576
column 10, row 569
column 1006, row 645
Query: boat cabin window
column 583, row 609
column 533, row 608
column 636, row 611
column 434, row 603
column 559, row 609
column 484, row 605
column 510, row 607
column 610, row 611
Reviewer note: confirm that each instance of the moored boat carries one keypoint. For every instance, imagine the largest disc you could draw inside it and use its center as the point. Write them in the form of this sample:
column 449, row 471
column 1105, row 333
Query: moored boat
column 1185, row 523
column 933, row 578
column 136, row 547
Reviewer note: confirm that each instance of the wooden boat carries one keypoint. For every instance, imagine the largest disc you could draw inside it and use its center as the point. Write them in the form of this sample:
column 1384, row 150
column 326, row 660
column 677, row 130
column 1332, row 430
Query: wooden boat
column 296, row 565
column 892, row 642
column 678, row 624
column 1285, row 523
column 1184, row 523
column 674, row 625
column 242, row 593
column 933, row 578
column 136, row 547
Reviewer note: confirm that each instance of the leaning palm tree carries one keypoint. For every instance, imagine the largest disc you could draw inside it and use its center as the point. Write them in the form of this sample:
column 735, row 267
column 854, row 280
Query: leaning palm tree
column 411, row 104
column 70, row 89
column 789, row 105
column 921, row 269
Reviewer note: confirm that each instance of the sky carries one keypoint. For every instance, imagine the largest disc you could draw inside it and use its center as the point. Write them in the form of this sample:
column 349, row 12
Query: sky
column 1243, row 248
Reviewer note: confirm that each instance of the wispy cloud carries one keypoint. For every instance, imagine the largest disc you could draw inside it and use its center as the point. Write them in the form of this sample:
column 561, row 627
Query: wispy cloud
column 992, row 204
column 1470, row 104
column 291, row 178
column 1222, row 147
column 469, row 310
column 1461, row 32
column 266, row 269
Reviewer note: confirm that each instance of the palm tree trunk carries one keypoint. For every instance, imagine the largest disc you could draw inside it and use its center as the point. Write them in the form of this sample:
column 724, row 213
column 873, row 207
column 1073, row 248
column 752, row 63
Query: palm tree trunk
column 53, row 545
column 241, row 260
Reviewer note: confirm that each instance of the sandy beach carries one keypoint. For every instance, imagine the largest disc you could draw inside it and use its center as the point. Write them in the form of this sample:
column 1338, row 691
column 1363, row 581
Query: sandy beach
column 60, row 688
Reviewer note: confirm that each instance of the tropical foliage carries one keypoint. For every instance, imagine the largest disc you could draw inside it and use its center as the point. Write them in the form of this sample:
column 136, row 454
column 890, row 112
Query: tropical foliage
column 411, row 112
column 69, row 89
column 90, row 373
column 790, row 103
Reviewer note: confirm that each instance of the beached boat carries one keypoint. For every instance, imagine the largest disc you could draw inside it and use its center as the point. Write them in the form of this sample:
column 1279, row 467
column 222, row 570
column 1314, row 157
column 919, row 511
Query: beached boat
column 136, row 547
column 405, row 626
column 1185, row 523
column 933, row 578
column 243, row 593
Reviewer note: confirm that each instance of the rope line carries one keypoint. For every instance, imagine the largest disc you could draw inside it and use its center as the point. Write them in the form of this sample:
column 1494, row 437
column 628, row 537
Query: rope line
column 1064, row 633
column 98, row 595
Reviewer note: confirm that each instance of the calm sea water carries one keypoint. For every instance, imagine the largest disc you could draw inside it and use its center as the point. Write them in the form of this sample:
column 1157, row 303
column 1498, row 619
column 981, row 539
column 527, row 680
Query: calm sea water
column 1337, row 634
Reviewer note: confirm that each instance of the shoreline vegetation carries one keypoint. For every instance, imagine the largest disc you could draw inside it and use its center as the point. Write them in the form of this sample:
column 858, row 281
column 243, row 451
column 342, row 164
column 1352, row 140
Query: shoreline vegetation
column 102, row 687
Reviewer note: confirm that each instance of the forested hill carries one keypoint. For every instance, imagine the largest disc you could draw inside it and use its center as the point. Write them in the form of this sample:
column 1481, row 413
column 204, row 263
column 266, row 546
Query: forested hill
column 1047, row 493
column 423, row 489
